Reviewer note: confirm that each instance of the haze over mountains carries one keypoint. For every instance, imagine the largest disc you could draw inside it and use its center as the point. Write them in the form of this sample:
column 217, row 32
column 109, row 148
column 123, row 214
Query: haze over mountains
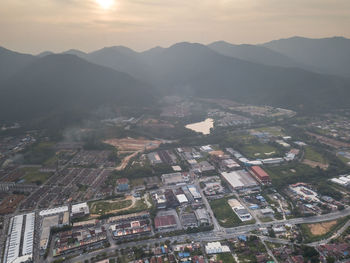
column 297, row 73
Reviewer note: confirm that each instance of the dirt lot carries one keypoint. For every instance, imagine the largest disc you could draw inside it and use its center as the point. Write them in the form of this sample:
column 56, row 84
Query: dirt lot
column 321, row 228
column 315, row 164
column 131, row 144
column 132, row 147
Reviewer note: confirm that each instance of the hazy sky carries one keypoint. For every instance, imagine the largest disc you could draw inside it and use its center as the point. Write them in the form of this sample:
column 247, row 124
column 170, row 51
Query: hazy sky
column 38, row 25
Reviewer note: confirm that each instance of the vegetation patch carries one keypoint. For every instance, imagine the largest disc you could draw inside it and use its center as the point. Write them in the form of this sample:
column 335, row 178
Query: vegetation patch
column 33, row 175
column 314, row 156
column 106, row 206
column 259, row 150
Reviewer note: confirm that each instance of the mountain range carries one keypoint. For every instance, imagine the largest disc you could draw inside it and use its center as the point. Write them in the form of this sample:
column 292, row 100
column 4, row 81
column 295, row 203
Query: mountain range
column 296, row 73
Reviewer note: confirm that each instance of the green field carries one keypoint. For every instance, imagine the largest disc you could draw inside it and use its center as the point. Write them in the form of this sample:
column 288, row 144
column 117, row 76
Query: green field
column 312, row 155
column 103, row 207
column 275, row 131
column 259, row 150
column 292, row 173
column 224, row 213
column 33, row 175
column 226, row 257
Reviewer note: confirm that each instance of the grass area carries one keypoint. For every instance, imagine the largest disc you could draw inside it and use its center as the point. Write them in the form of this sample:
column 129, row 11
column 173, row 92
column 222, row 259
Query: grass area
column 225, row 215
column 33, row 175
column 275, row 131
column 226, row 257
column 312, row 155
column 310, row 236
column 103, row 207
column 259, row 150
column 291, row 173
column 39, row 153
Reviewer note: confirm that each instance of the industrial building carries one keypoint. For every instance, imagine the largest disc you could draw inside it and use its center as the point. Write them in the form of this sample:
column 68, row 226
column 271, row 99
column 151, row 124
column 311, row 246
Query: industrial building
column 175, row 178
column 343, row 180
column 182, row 199
column 272, row 161
column 53, row 211
column 160, row 199
column 260, row 175
column 216, row 248
column 240, row 180
column 21, row 228
column 202, row 216
column 194, row 192
column 122, row 184
column 240, row 210
column 164, row 222
column 80, row 210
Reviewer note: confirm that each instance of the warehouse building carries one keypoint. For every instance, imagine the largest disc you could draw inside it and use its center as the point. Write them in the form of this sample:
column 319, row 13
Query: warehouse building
column 240, row 210
column 216, row 248
column 240, row 180
column 175, row 178
column 165, row 222
column 260, row 175
column 202, row 216
column 21, row 228
column 53, row 211
column 80, row 210
column 194, row 192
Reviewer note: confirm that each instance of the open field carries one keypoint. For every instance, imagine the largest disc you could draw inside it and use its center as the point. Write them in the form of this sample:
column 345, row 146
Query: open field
column 292, row 173
column 312, row 155
column 225, row 257
column 321, row 228
column 133, row 145
column 111, row 206
column 318, row 231
column 273, row 130
column 114, row 206
column 259, row 151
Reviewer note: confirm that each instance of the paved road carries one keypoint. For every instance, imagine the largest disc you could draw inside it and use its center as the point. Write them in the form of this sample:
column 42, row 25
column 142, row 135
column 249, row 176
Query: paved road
column 216, row 235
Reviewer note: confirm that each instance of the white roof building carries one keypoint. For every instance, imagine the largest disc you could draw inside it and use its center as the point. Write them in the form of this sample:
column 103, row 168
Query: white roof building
column 13, row 242
column 194, row 192
column 80, row 208
column 53, row 211
column 182, row 198
column 216, row 248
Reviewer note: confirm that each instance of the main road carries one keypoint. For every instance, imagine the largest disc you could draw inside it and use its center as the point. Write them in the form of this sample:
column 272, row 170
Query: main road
column 216, row 235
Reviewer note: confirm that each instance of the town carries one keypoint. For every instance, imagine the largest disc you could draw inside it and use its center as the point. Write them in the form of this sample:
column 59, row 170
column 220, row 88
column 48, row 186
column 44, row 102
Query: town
column 250, row 187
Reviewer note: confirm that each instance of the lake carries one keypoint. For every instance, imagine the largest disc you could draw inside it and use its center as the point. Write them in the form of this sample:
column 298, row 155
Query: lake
column 202, row 127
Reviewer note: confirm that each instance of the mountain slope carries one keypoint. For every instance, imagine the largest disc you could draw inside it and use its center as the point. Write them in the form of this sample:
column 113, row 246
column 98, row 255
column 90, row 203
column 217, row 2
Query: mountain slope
column 61, row 83
column 257, row 54
column 326, row 55
column 194, row 69
column 11, row 62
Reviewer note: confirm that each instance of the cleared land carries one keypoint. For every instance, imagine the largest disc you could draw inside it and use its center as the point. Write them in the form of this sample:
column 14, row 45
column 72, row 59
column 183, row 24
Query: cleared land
column 131, row 147
column 321, row 228
column 318, row 231
column 113, row 206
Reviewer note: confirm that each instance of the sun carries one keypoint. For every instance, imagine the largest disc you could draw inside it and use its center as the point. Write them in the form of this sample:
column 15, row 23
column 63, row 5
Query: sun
column 105, row 4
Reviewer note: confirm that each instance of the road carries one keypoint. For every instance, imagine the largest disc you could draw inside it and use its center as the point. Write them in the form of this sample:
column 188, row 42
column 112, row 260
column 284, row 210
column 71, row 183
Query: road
column 223, row 233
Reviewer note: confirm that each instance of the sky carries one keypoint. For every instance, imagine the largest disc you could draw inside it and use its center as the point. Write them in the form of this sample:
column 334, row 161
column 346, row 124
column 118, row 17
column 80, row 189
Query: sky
column 34, row 26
